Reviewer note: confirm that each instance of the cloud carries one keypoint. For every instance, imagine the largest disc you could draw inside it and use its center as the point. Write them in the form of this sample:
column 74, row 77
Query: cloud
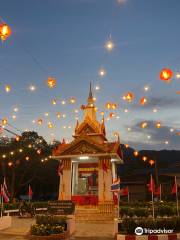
column 157, row 136
column 163, row 101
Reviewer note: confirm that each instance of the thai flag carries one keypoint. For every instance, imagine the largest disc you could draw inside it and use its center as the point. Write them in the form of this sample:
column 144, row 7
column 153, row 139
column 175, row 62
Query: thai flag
column 4, row 192
column 115, row 187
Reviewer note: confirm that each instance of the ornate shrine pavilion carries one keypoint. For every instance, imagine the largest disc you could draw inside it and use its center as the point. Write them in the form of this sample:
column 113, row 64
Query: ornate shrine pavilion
column 89, row 161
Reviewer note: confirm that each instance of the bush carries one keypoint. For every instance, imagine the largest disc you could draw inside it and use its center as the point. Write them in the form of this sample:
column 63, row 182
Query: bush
column 128, row 225
column 46, row 230
column 48, row 224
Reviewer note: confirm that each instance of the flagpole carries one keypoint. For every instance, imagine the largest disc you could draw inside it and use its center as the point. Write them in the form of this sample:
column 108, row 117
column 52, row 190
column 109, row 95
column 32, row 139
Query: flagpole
column 177, row 203
column 1, row 201
column 152, row 193
column 160, row 193
column 118, row 202
column 128, row 195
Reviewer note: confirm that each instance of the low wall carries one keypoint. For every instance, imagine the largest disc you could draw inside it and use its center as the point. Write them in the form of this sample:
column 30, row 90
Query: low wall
column 175, row 236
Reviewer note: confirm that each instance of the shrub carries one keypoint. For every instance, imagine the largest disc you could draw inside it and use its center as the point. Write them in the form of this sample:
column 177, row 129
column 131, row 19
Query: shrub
column 128, row 225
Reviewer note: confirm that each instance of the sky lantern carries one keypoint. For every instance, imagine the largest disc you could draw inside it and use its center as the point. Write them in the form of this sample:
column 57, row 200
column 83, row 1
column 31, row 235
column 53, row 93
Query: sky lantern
column 158, row 125
column 143, row 124
column 111, row 115
column 109, row 45
column 51, row 82
column 50, row 125
column 114, row 106
column 4, row 121
column 58, row 114
column 72, row 100
column 108, row 105
column 102, row 72
column 166, row 74
column 53, row 102
column 39, row 121
column 7, row 88
column 143, row 101
column 128, row 97
column 5, row 31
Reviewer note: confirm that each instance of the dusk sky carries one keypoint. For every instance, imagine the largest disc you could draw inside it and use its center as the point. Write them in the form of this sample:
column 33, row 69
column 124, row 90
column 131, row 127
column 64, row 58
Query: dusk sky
column 65, row 39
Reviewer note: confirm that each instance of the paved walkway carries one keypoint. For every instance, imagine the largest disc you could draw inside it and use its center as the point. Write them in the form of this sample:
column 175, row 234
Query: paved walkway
column 84, row 231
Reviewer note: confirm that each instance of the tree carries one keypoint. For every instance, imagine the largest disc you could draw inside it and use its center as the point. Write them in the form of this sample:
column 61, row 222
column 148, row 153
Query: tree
column 21, row 160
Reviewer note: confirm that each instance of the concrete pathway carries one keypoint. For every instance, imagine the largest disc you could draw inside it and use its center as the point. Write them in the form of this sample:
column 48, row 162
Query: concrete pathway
column 84, row 231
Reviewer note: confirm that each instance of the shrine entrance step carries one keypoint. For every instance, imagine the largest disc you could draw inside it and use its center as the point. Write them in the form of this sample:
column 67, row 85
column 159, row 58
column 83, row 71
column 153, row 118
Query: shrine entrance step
column 87, row 214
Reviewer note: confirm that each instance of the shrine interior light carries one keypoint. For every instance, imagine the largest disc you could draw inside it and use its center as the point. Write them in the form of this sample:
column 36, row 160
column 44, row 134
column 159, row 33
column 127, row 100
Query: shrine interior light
column 84, row 157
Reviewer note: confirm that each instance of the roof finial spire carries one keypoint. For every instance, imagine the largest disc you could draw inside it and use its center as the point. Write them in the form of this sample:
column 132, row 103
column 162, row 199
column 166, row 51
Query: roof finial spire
column 90, row 97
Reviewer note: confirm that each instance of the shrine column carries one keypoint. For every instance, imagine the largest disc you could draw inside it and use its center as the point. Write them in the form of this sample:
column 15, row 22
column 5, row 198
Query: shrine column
column 65, row 181
column 74, row 177
column 105, row 180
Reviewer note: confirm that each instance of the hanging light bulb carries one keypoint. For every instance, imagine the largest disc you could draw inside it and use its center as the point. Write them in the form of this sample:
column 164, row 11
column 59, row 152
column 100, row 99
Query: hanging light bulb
column 144, row 124
column 136, row 153
column 54, row 102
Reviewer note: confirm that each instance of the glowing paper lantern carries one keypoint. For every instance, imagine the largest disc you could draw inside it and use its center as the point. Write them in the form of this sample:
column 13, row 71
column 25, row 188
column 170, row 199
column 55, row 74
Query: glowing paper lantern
column 4, row 121
column 166, row 74
column 102, row 72
column 50, row 125
column 51, row 82
column 53, row 102
column 126, row 146
column 109, row 45
column 27, row 158
column 7, row 88
column 143, row 101
column 102, row 113
column 17, row 138
column 40, row 121
column 136, row 153
column 58, row 114
column 151, row 162
column 158, row 125
column 128, row 97
column 111, row 115
column 5, row 31
column 144, row 158
column 114, row 105
column 108, row 105
column 72, row 100
column 144, row 125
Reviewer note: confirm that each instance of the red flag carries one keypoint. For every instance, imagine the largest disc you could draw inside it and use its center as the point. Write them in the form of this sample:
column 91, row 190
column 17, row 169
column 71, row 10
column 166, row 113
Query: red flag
column 104, row 167
column 151, row 185
column 175, row 187
column 60, row 169
column 30, row 192
column 158, row 191
column 4, row 192
column 125, row 191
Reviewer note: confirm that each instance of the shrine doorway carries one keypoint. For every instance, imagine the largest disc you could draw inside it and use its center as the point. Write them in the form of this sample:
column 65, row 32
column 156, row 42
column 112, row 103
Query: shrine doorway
column 85, row 182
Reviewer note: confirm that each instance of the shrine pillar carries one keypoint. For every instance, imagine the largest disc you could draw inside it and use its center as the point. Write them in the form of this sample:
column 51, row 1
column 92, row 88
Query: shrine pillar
column 65, row 181
column 105, row 195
